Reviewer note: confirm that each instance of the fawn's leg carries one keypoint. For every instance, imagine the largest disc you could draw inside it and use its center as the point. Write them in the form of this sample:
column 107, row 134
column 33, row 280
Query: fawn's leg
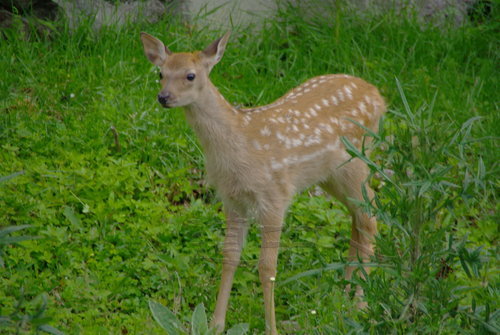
column 271, row 221
column 347, row 185
column 363, row 230
column 236, row 231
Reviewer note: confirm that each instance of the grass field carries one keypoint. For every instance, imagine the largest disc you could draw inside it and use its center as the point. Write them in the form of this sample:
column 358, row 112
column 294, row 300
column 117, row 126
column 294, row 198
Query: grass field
column 121, row 222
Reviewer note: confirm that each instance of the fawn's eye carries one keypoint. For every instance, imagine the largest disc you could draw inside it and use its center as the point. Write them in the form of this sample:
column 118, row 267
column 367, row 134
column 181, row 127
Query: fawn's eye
column 161, row 76
column 190, row 76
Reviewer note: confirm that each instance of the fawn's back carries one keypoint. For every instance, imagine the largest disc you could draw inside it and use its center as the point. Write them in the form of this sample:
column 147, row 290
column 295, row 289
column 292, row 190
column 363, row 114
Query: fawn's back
column 300, row 132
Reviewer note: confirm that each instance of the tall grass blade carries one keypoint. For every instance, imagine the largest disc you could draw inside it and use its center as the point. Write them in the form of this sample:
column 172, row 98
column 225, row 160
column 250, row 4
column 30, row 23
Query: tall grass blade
column 51, row 330
column 11, row 176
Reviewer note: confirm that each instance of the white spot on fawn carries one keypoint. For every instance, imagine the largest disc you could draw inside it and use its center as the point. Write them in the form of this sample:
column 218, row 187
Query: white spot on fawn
column 265, row 131
column 362, row 107
column 348, row 91
column 327, row 127
column 280, row 137
column 296, row 142
column 335, row 101
column 313, row 112
column 246, row 120
column 312, row 140
column 275, row 165
column 334, row 120
column 308, row 157
column 325, row 102
column 340, row 94
column 368, row 99
column 257, row 145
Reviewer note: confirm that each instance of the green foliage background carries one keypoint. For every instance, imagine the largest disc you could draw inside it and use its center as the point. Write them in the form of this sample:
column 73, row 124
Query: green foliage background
column 118, row 226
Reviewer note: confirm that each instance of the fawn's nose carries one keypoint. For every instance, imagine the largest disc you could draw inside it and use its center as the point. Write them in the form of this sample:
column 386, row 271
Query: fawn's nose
column 163, row 98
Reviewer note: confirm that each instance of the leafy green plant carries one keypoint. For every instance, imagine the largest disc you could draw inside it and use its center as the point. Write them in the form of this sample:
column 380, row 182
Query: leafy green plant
column 199, row 324
column 18, row 320
column 433, row 176
column 5, row 239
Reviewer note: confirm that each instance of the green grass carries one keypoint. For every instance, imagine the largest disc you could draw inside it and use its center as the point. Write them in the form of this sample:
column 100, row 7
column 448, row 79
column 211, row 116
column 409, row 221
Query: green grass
column 119, row 227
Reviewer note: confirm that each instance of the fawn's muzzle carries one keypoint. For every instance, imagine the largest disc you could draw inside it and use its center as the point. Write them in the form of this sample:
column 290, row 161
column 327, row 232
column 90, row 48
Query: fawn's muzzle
column 163, row 98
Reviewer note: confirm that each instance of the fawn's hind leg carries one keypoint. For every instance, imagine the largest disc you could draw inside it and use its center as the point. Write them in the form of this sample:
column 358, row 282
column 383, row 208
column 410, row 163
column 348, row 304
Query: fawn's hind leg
column 346, row 185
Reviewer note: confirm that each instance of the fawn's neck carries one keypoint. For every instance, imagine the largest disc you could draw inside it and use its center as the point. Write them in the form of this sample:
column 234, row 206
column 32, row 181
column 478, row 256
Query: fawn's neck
column 228, row 159
column 214, row 121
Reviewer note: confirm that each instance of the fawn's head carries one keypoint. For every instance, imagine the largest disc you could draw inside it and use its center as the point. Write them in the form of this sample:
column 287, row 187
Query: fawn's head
column 183, row 75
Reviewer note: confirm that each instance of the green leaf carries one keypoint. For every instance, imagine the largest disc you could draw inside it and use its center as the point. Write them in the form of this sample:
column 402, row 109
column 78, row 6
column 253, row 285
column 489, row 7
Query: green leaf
column 405, row 101
column 4, row 239
column 11, row 229
column 333, row 266
column 165, row 318
column 11, row 176
column 51, row 330
column 464, row 264
column 199, row 323
column 70, row 215
column 5, row 321
column 16, row 239
column 492, row 327
column 353, row 151
column 241, row 328
column 328, row 267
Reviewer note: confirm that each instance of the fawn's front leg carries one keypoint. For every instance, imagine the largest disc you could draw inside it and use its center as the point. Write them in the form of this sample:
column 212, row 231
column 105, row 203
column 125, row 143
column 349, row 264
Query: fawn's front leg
column 235, row 235
column 271, row 230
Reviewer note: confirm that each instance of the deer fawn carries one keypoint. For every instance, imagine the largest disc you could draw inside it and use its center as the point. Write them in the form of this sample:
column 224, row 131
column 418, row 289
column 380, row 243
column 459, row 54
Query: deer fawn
column 257, row 158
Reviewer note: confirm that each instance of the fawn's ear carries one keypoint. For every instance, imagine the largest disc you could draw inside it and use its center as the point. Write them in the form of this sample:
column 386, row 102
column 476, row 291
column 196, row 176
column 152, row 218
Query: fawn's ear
column 154, row 49
column 214, row 52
